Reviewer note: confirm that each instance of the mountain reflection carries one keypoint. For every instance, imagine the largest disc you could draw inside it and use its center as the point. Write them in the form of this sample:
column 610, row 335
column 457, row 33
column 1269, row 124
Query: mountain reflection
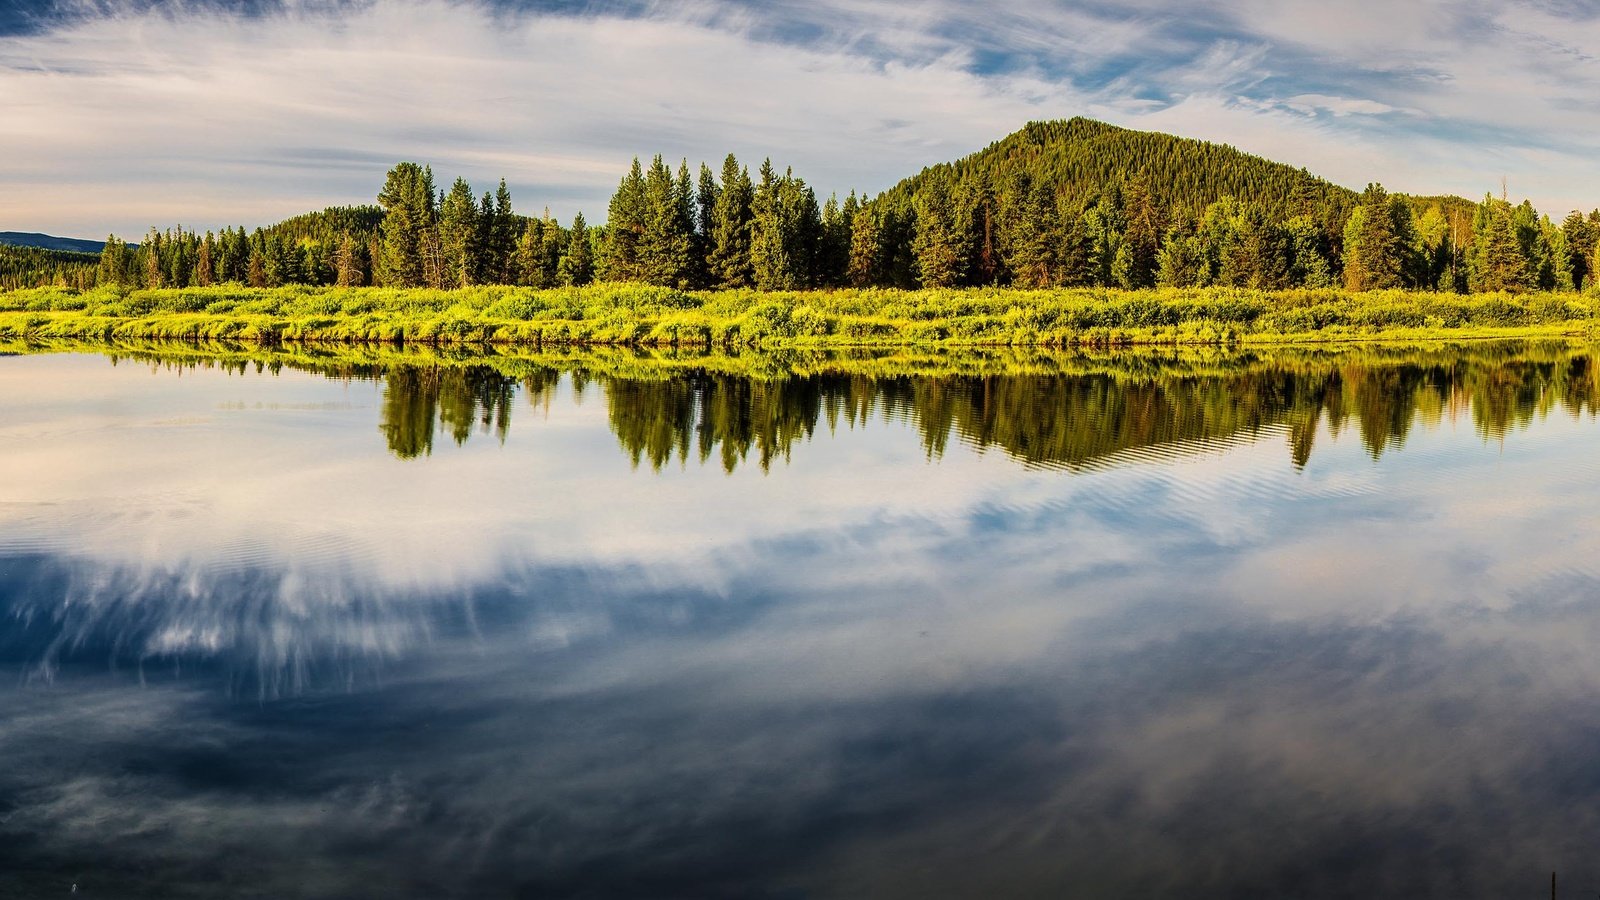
column 1070, row 411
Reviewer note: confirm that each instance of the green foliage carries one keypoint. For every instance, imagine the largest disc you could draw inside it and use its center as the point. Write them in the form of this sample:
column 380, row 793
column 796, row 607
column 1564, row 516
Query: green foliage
column 940, row 245
column 1380, row 243
column 409, row 251
column 636, row 315
column 1057, row 204
column 26, row 267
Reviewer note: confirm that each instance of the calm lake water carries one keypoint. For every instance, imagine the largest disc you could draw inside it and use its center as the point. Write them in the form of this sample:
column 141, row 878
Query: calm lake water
column 1169, row 625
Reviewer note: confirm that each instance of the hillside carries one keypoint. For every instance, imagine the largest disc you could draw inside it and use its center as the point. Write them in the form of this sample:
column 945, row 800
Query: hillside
column 1074, row 203
column 1083, row 158
column 49, row 242
column 22, row 267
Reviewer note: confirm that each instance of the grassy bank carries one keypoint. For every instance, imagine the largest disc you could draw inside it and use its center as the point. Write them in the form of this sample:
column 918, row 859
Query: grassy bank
column 642, row 316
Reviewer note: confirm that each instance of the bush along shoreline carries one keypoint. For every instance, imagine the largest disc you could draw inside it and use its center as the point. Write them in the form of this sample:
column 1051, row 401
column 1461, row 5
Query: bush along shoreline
column 634, row 315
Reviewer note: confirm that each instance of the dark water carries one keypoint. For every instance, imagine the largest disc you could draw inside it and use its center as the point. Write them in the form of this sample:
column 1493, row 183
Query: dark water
column 1306, row 625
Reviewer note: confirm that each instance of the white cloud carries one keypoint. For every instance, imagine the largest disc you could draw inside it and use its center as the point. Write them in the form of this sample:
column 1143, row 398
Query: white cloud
column 121, row 121
column 211, row 119
column 1311, row 104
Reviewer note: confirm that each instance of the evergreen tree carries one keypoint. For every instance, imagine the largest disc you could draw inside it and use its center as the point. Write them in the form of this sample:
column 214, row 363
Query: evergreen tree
column 150, row 250
column 1561, row 274
column 1497, row 260
column 1380, row 242
column 504, row 232
column 256, row 273
column 1102, row 228
column 1580, row 237
column 940, row 244
column 787, row 224
column 529, row 256
column 460, row 233
column 865, row 267
column 707, row 194
column 205, row 273
column 409, row 215
column 113, row 267
column 550, row 248
column 1182, row 261
column 1309, row 262
column 1034, row 236
column 833, row 251
column 1145, row 225
column 667, row 241
column 625, row 227
column 577, row 264
column 731, row 224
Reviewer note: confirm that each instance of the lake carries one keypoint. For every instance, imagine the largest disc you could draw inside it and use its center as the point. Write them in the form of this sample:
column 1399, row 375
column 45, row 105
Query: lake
column 331, row 623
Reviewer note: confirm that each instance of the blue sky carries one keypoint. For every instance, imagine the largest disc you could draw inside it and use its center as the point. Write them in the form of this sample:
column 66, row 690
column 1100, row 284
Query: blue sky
column 120, row 115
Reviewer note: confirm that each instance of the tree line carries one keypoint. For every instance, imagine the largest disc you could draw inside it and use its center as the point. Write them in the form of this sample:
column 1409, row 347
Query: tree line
column 1074, row 204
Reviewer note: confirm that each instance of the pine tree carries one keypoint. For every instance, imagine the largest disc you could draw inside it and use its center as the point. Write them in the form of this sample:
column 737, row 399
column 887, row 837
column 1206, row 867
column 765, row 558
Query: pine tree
column 786, row 228
column 665, row 244
column 1580, row 237
column 1182, row 261
column 731, row 224
column 257, row 267
column 1561, row 268
column 529, row 256
column 1035, row 236
column 151, row 251
column 577, row 264
column 113, row 268
column 409, row 215
column 707, row 194
column 459, row 235
column 503, row 237
column 204, row 271
column 1102, row 228
column 833, row 252
column 865, row 268
column 1145, row 225
column 625, row 225
column 940, row 244
column 550, row 248
column 1497, row 260
column 1379, row 242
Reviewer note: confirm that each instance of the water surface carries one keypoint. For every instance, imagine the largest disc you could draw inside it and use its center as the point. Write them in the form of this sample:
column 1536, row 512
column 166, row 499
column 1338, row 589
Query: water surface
column 327, row 624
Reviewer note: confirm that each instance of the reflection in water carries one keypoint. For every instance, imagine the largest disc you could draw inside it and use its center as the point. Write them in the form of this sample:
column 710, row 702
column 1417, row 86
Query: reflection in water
column 251, row 652
column 1066, row 419
column 458, row 398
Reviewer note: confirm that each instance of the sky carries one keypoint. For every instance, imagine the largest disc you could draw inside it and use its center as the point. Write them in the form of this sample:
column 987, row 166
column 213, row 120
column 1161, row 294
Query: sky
column 118, row 115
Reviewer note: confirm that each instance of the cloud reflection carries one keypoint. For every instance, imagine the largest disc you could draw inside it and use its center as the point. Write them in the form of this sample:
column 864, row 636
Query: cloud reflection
column 870, row 669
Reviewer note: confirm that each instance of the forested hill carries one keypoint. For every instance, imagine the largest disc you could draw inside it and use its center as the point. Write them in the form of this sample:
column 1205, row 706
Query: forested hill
column 1087, row 159
column 49, row 242
column 1072, row 203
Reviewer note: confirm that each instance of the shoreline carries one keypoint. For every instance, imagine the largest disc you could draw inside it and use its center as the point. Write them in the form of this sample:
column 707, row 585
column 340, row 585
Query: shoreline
column 640, row 316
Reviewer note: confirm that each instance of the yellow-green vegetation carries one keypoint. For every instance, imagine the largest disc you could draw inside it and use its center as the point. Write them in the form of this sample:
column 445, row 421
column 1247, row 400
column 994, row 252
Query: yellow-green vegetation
column 633, row 315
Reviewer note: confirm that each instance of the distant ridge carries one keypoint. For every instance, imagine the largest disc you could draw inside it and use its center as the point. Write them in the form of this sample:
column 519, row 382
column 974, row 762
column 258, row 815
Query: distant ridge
column 50, row 242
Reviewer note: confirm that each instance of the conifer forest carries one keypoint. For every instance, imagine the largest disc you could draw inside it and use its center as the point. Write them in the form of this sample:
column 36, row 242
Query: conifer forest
column 1057, row 204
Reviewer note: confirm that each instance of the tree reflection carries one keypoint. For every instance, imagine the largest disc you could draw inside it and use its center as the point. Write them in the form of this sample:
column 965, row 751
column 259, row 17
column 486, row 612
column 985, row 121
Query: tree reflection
column 1070, row 411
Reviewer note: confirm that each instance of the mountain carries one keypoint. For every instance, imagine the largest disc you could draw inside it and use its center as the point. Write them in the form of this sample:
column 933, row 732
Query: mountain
column 49, row 242
column 1085, row 159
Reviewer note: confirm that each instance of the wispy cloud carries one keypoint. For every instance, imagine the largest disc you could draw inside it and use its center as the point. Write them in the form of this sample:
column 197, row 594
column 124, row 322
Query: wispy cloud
column 125, row 115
